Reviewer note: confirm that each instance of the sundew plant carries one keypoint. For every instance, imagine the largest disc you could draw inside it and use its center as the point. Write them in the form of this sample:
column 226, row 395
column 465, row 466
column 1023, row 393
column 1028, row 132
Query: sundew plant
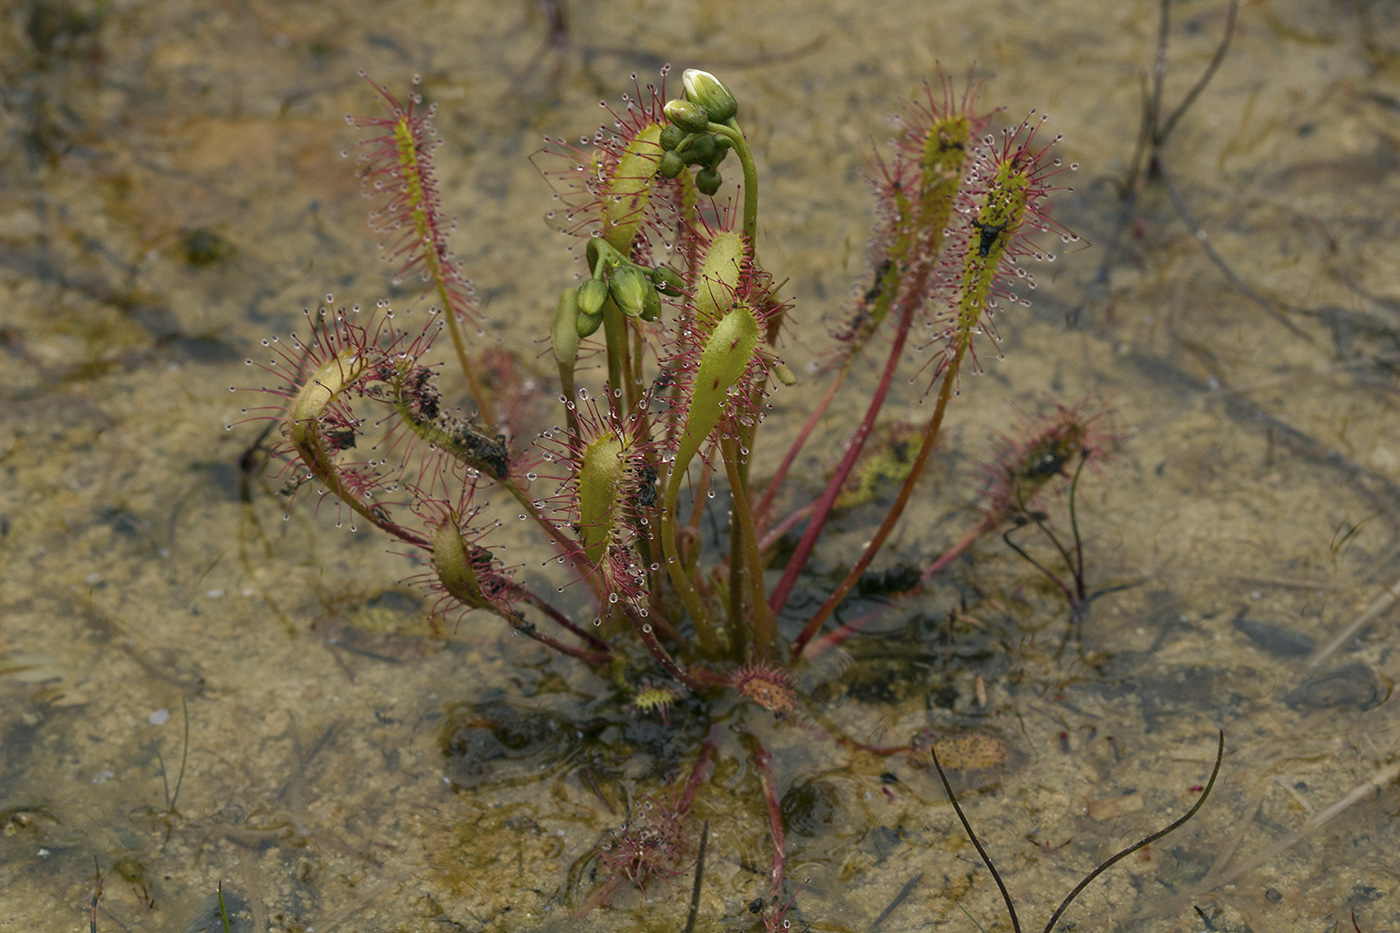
column 670, row 349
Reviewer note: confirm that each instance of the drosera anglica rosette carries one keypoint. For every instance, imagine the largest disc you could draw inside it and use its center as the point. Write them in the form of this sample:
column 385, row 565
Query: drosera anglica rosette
column 670, row 415
column 691, row 353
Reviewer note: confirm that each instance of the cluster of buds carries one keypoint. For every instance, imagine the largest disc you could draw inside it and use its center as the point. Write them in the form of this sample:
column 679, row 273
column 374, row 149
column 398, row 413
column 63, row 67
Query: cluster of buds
column 697, row 134
column 634, row 289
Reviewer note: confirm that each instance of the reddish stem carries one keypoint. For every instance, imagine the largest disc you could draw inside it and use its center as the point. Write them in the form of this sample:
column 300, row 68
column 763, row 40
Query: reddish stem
column 825, row 729
column 836, row 636
column 594, row 658
column 831, row 639
column 783, row 590
column 931, row 430
column 698, row 680
column 697, row 773
column 564, row 621
column 966, row 541
column 775, row 534
column 764, row 762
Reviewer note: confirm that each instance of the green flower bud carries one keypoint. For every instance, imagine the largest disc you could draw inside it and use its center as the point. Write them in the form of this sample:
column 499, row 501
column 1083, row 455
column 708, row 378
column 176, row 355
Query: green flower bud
column 709, row 92
column 671, row 164
column 591, row 295
column 628, row 287
column 707, row 180
column 671, row 137
column 668, row 281
column 688, row 115
column 651, row 302
column 588, row 324
column 701, row 151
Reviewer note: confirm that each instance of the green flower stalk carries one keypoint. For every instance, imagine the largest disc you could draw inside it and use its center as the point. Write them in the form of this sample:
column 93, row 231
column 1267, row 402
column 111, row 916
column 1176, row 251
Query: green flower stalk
column 564, row 342
column 706, row 117
column 615, row 194
column 726, row 358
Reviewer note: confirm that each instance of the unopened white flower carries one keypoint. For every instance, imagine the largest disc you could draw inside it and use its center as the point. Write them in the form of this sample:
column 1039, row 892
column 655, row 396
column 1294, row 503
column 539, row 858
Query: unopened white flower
column 709, row 92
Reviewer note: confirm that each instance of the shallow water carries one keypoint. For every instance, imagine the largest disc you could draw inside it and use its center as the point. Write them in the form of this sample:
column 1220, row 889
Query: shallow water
column 167, row 203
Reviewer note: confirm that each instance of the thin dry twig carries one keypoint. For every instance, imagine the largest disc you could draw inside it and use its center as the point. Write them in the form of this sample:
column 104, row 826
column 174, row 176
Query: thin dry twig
column 1381, row 778
column 1347, row 632
column 1147, row 161
column 1231, row 13
column 699, row 879
column 96, row 895
column 1270, row 306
